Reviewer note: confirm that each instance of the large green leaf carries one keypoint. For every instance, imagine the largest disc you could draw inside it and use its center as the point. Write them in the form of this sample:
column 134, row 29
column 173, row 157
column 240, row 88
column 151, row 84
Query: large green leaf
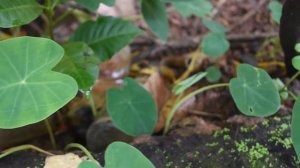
column 94, row 4
column 18, row 12
column 80, row 63
column 122, row 155
column 214, row 44
column 132, row 108
column 186, row 8
column 30, row 90
column 155, row 15
column 254, row 92
column 106, row 36
column 295, row 129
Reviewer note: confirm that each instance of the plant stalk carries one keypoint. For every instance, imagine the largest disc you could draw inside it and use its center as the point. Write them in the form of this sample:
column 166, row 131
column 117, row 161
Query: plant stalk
column 50, row 132
column 184, row 99
column 291, row 80
column 23, row 147
column 49, row 14
column 82, row 148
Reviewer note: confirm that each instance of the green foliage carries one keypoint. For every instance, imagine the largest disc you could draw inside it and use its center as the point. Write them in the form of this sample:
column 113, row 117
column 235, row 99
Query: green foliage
column 276, row 10
column 186, row 8
column 79, row 62
column 122, row 155
column 183, row 85
column 296, row 62
column 283, row 91
column 214, row 44
column 214, row 26
column 155, row 16
column 106, row 36
column 254, row 92
column 295, row 129
column 213, row 74
column 94, row 4
column 132, row 108
column 89, row 164
column 18, row 12
column 31, row 90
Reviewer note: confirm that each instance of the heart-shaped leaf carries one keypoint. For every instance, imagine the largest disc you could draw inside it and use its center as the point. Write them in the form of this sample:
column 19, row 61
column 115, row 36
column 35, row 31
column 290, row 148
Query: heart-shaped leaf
column 132, row 108
column 122, row 155
column 295, row 129
column 30, row 90
column 80, row 63
column 155, row 15
column 214, row 44
column 254, row 92
column 106, row 36
column 93, row 5
column 18, row 12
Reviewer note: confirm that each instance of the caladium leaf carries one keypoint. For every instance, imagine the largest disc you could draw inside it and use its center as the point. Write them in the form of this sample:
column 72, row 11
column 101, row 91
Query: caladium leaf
column 254, row 92
column 132, row 108
column 31, row 91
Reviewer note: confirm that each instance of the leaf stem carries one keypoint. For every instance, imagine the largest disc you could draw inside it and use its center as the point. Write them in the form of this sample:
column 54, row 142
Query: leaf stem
column 82, row 148
column 49, row 14
column 184, row 99
column 23, row 147
column 50, row 132
column 92, row 103
column 291, row 80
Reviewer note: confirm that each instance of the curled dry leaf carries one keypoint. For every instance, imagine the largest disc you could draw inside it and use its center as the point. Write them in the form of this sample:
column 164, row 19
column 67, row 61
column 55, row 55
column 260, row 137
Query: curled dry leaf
column 157, row 86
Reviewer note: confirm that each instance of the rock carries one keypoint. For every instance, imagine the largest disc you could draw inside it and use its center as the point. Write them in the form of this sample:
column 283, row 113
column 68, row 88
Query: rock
column 101, row 133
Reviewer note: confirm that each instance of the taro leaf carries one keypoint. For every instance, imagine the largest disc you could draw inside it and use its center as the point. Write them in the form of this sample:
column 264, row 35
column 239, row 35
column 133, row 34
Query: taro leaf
column 155, row 15
column 214, row 26
column 254, row 92
column 106, row 36
column 276, row 10
column 31, row 91
column 295, row 129
column 93, row 5
column 183, row 85
column 213, row 74
column 122, row 155
column 132, row 108
column 214, row 44
column 186, row 8
column 80, row 63
column 18, row 12
column 89, row 164
column 296, row 62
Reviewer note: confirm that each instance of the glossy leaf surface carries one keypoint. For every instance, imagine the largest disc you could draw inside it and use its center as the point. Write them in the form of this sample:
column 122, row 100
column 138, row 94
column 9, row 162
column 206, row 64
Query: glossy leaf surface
column 31, row 91
column 254, row 92
column 132, row 108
